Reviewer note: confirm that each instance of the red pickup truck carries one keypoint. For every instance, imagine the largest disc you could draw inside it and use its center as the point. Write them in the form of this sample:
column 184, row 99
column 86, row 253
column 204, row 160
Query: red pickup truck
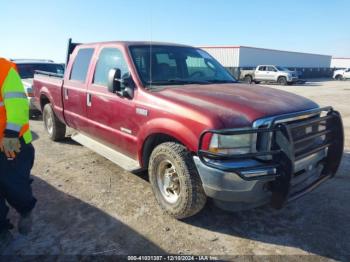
column 175, row 111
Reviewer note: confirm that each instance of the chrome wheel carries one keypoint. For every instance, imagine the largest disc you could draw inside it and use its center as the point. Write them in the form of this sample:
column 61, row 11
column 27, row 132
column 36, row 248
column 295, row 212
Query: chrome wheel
column 48, row 123
column 168, row 181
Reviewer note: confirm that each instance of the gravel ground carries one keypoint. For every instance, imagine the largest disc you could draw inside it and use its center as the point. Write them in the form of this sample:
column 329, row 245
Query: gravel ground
column 87, row 205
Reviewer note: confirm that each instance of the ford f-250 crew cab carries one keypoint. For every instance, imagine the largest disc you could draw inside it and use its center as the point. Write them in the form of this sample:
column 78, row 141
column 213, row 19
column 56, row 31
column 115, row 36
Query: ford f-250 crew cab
column 175, row 111
column 269, row 73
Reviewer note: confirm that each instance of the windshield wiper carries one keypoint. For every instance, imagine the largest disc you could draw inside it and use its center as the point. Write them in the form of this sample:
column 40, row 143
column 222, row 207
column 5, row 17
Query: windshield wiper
column 176, row 81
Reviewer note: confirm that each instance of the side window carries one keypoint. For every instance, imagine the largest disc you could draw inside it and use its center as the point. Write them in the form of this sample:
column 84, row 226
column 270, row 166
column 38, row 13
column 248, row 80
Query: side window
column 109, row 58
column 262, row 68
column 81, row 64
column 271, row 69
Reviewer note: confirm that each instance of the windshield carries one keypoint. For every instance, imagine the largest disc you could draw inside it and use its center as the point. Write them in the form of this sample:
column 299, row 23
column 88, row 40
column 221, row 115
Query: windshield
column 27, row 70
column 280, row 68
column 174, row 65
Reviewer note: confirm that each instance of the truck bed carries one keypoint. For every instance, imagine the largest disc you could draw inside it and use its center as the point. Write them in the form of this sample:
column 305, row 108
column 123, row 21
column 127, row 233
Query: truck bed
column 49, row 85
column 243, row 73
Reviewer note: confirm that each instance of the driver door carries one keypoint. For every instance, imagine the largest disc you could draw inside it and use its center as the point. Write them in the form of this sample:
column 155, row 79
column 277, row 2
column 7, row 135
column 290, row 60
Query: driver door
column 271, row 73
column 108, row 113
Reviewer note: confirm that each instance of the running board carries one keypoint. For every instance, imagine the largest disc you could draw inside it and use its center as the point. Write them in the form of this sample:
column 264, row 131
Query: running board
column 120, row 159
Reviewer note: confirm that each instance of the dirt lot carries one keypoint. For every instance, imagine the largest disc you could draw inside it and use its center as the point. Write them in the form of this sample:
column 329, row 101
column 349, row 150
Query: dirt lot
column 88, row 205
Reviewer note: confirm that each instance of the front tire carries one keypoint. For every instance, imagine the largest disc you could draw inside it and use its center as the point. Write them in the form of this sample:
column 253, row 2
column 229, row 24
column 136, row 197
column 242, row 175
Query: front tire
column 175, row 181
column 282, row 80
column 54, row 127
column 339, row 77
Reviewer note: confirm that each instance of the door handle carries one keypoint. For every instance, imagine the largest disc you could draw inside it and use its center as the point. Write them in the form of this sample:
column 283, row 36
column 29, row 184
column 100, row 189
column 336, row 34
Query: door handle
column 65, row 93
column 88, row 100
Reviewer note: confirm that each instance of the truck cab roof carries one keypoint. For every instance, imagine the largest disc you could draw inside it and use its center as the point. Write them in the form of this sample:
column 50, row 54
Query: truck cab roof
column 133, row 43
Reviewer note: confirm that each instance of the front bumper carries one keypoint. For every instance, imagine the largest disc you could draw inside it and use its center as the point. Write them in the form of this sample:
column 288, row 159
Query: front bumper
column 278, row 174
column 293, row 79
column 230, row 187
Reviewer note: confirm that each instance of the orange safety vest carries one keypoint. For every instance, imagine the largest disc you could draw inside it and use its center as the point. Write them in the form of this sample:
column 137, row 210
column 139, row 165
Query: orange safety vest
column 5, row 67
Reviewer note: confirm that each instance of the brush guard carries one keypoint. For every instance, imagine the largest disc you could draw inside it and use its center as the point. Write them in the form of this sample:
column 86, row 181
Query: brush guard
column 277, row 163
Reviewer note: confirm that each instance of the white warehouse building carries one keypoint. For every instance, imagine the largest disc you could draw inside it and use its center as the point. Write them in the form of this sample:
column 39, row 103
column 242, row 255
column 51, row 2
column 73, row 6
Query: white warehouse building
column 244, row 56
column 340, row 62
column 237, row 57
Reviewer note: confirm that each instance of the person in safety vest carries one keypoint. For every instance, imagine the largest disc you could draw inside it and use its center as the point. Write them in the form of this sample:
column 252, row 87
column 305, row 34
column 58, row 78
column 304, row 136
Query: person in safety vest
column 16, row 153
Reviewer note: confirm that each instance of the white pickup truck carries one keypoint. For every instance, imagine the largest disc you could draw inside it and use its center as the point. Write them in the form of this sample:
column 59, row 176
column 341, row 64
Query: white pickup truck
column 269, row 73
column 341, row 74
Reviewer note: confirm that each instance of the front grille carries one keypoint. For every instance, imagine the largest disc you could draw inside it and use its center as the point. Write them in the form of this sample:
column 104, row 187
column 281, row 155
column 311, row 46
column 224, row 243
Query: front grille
column 305, row 145
column 299, row 133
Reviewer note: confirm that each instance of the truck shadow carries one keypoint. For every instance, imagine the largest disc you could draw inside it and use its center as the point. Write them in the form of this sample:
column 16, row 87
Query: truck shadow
column 64, row 225
column 318, row 223
column 67, row 140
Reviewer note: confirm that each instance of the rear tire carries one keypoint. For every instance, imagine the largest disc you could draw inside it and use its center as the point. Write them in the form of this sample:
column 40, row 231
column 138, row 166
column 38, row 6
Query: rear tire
column 282, row 80
column 248, row 79
column 54, row 127
column 175, row 181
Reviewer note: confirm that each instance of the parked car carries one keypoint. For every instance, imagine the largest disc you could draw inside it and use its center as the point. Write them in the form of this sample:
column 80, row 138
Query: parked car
column 341, row 74
column 270, row 73
column 175, row 111
column 26, row 69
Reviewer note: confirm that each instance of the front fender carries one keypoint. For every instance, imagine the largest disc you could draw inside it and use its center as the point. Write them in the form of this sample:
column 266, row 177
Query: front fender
column 177, row 130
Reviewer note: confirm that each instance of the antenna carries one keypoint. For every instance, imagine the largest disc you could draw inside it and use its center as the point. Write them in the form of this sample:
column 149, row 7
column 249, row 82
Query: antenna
column 150, row 47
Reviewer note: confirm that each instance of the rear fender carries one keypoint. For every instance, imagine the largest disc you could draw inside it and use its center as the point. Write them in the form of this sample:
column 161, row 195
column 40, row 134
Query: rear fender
column 57, row 109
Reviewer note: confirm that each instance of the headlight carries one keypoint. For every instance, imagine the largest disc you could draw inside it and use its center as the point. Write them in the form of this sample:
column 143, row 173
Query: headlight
column 231, row 144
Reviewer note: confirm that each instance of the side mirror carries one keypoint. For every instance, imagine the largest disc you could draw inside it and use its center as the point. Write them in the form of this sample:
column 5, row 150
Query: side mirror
column 122, row 86
column 114, row 80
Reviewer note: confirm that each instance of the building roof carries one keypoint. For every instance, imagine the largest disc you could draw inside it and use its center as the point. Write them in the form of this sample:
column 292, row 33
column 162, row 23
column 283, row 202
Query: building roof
column 341, row 58
column 267, row 49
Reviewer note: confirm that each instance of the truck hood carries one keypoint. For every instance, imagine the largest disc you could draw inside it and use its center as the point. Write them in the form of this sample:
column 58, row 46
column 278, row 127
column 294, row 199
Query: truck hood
column 293, row 73
column 236, row 105
column 339, row 71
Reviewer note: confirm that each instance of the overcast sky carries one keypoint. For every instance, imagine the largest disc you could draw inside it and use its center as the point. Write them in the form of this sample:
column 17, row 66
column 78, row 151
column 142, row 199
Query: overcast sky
column 40, row 29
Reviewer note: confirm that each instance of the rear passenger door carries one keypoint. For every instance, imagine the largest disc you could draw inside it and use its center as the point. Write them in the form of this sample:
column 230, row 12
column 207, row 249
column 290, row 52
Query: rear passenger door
column 260, row 73
column 74, row 90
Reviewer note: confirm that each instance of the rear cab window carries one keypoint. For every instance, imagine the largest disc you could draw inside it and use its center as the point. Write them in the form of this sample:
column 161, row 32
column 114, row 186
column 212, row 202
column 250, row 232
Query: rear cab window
column 81, row 65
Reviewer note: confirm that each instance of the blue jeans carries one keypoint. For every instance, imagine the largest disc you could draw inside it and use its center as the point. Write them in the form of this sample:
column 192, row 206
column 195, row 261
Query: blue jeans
column 15, row 184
